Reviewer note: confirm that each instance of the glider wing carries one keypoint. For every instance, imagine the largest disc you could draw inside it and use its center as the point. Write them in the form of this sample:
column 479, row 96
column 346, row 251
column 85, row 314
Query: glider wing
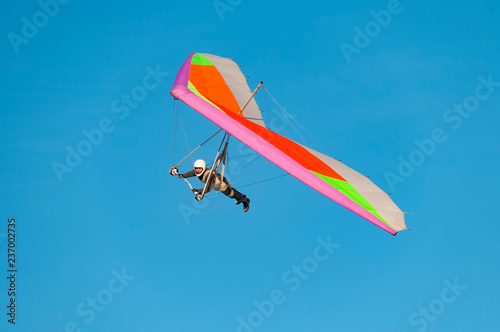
column 216, row 88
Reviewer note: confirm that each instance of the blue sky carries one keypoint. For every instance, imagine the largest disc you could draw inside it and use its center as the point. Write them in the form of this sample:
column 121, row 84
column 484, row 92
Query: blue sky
column 106, row 247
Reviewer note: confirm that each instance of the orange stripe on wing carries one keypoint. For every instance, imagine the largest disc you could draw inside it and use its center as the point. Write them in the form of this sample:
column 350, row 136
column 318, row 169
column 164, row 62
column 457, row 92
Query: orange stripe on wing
column 218, row 92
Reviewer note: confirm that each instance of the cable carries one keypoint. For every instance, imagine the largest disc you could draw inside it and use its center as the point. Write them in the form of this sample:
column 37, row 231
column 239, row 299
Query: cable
column 251, row 184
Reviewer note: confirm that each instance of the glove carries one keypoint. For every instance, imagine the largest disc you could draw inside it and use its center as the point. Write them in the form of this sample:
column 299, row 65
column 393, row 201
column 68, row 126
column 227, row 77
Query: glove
column 174, row 171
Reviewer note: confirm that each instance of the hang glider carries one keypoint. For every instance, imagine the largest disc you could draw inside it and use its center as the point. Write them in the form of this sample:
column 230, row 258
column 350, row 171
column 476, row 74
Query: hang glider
column 216, row 88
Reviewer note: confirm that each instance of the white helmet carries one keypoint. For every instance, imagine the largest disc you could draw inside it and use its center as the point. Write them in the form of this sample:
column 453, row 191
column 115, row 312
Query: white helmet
column 200, row 163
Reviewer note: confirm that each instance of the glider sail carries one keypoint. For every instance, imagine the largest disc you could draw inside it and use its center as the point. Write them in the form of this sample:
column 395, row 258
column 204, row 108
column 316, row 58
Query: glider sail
column 216, row 88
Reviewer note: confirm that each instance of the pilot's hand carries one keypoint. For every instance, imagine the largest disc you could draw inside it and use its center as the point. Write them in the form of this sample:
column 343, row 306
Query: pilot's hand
column 174, row 171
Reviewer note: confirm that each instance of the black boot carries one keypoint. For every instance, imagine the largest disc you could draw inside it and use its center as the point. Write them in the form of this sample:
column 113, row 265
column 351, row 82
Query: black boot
column 246, row 204
column 240, row 198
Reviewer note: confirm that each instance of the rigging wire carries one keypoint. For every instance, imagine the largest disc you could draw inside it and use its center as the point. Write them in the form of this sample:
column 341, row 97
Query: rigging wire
column 250, row 163
column 273, row 178
column 199, row 146
column 176, row 110
column 281, row 108
column 185, row 136
column 287, row 116
column 245, row 155
column 229, row 167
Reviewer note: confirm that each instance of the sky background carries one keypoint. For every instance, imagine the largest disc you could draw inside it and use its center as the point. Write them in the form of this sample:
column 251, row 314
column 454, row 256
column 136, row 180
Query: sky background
column 206, row 266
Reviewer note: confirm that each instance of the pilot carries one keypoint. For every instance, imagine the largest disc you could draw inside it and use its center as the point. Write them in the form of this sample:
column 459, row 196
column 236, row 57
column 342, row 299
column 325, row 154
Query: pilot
column 217, row 182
